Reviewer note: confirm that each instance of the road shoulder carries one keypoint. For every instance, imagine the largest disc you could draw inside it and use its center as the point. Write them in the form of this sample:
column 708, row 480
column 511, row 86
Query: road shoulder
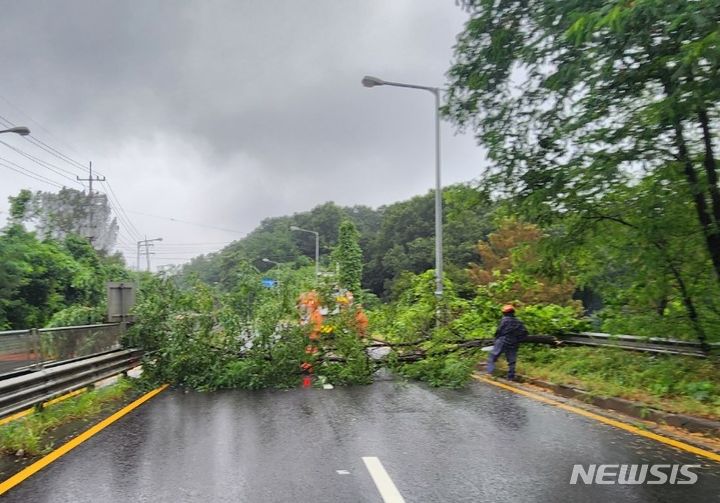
column 711, row 444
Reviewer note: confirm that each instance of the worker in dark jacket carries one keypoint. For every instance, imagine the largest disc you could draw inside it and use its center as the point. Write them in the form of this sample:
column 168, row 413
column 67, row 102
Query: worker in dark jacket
column 509, row 334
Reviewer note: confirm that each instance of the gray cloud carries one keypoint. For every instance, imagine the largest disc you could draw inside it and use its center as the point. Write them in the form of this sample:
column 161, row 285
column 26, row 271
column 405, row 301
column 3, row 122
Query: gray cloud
column 228, row 112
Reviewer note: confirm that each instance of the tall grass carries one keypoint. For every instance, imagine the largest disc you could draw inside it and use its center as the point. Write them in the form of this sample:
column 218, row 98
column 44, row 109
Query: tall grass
column 32, row 434
column 675, row 383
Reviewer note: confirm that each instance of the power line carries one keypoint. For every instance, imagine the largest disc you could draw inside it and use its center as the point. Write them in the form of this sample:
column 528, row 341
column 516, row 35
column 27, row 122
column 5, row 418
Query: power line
column 122, row 219
column 125, row 244
column 31, row 174
column 119, row 211
column 122, row 216
column 174, row 249
column 178, row 252
column 47, row 148
column 129, row 239
column 132, row 229
column 133, row 236
column 186, row 259
column 52, row 167
column 182, row 251
column 25, row 114
column 53, row 151
column 198, row 244
column 55, row 169
column 187, row 222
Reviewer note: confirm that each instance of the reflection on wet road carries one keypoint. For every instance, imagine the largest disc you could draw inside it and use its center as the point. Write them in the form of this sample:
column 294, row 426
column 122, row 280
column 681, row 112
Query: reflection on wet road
column 476, row 444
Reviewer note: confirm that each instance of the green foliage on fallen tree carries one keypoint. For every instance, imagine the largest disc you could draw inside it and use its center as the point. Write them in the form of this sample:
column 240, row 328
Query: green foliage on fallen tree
column 445, row 354
column 250, row 338
column 252, row 333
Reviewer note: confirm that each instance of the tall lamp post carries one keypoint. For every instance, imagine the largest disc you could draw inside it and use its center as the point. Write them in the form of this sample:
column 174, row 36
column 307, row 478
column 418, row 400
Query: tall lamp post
column 268, row 261
column 21, row 130
column 368, row 81
column 317, row 247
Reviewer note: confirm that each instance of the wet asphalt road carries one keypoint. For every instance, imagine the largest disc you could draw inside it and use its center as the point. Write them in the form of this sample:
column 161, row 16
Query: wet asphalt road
column 480, row 444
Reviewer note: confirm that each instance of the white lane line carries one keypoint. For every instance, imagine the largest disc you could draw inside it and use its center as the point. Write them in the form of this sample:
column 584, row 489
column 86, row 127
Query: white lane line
column 382, row 480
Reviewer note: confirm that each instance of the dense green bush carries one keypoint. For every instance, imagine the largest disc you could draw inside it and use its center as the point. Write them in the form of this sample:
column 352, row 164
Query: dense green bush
column 251, row 337
column 413, row 318
column 41, row 279
column 77, row 315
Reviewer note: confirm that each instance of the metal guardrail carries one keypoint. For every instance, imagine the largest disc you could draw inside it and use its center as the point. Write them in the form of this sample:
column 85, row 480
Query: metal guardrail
column 634, row 343
column 37, row 347
column 24, row 391
column 35, row 368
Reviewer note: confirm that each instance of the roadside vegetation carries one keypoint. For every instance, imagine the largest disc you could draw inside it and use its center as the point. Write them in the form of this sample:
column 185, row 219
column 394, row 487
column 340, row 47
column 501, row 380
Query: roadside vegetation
column 316, row 331
column 52, row 276
column 34, row 434
column 680, row 384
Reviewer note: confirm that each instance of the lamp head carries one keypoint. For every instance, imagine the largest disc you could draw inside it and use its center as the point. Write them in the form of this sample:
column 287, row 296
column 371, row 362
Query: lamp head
column 369, row 81
column 21, row 130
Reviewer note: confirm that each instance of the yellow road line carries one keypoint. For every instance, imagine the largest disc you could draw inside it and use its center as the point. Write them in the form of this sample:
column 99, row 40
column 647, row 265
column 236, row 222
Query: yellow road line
column 70, row 445
column 606, row 420
column 65, row 396
column 25, row 412
column 15, row 416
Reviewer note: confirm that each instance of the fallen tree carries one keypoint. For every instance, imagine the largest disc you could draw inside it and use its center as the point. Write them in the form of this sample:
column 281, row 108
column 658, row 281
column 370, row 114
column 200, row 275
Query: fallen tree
column 204, row 340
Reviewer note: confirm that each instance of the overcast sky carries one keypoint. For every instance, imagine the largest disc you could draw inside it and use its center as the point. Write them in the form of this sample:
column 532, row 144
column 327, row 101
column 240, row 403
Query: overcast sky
column 228, row 112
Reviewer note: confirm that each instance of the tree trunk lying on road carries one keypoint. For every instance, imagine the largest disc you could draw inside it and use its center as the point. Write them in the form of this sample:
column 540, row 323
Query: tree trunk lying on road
column 418, row 354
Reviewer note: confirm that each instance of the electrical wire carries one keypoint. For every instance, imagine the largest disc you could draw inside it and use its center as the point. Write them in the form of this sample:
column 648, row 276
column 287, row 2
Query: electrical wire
column 187, row 222
column 112, row 199
column 32, row 174
column 133, row 230
column 122, row 218
column 52, row 150
column 22, row 112
column 32, row 139
column 55, row 169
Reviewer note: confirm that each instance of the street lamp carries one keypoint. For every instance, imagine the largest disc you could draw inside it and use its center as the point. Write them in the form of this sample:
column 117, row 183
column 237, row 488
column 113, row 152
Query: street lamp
column 267, row 260
column 369, row 81
column 21, row 130
column 317, row 247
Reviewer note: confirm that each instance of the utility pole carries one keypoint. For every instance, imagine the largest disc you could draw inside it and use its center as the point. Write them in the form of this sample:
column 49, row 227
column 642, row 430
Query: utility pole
column 90, row 180
column 147, row 243
column 147, row 253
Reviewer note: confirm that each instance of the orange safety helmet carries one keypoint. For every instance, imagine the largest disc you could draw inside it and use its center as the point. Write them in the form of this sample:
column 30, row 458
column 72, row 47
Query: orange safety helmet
column 508, row 308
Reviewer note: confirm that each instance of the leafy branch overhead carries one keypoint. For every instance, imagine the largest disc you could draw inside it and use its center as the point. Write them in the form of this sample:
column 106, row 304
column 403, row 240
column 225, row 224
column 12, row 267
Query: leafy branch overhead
column 600, row 119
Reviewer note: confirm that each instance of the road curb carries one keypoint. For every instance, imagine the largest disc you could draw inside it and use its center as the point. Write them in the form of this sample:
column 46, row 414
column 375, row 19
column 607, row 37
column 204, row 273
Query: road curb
column 637, row 410
column 631, row 408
